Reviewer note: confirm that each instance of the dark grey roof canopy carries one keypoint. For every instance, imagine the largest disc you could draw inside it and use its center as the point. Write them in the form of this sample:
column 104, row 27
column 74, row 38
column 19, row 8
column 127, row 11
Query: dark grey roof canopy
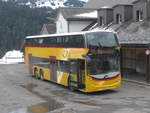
column 125, row 5
column 140, row 1
column 110, row 3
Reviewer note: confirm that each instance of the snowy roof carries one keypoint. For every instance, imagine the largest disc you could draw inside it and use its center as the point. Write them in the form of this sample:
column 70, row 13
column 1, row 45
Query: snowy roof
column 103, row 29
column 135, row 33
column 92, row 14
column 105, row 7
column 70, row 12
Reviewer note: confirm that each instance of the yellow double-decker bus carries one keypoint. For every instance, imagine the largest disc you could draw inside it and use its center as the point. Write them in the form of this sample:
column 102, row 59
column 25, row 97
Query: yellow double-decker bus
column 85, row 61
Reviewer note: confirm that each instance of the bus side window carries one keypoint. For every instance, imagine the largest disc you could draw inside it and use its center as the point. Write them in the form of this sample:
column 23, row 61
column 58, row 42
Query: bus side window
column 34, row 42
column 40, row 42
column 69, row 42
column 53, row 42
column 29, row 42
column 76, row 41
column 59, row 42
column 65, row 41
column 79, row 41
column 64, row 66
column 46, row 42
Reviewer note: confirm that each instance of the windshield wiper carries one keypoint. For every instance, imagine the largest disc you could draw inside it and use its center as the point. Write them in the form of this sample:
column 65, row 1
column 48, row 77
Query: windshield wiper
column 100, row 45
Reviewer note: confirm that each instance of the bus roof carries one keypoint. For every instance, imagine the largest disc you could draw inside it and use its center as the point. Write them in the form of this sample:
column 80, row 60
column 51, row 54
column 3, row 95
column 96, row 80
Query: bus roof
column 65, row 34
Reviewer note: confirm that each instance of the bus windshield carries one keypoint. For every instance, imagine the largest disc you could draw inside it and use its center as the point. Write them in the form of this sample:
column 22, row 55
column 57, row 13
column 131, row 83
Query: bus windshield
column 102, row 64
column 104, row 39
column 104, row 58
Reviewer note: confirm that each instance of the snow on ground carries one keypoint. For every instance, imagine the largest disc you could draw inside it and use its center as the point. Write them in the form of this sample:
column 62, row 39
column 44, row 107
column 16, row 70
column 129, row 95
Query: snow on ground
column 12, row 57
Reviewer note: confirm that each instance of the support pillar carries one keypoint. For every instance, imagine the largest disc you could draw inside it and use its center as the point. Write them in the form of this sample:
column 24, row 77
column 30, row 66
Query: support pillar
column 148, row 65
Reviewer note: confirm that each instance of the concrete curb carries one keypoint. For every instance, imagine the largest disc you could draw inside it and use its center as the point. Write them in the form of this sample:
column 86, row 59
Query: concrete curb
column 136, row 82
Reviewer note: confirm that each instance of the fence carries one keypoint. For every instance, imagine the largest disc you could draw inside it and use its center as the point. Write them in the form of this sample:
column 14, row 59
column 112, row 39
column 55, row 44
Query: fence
column 2, row 52
column 11, row 60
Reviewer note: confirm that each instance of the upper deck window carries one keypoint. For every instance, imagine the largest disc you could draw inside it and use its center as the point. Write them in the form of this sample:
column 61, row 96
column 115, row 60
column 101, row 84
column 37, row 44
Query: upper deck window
column 101, row 39
column 76, row 41
column 68, row 41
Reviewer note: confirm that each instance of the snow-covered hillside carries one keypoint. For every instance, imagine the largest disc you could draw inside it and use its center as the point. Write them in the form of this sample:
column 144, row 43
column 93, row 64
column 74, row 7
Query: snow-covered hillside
column 52, row 3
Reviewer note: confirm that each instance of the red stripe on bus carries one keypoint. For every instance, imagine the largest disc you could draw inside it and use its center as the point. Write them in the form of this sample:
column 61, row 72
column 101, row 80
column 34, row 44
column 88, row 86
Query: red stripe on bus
column 54, row 47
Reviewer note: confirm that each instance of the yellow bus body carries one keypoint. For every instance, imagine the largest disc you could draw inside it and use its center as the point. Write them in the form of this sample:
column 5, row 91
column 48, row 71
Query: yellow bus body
column 91, row 85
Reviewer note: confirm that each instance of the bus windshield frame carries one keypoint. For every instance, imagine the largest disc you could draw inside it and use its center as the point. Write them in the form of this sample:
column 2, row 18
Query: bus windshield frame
column 101, row 39
column 103, row 56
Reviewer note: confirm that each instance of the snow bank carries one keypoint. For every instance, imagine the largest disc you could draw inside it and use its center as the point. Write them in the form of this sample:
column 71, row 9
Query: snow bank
column 12, row 57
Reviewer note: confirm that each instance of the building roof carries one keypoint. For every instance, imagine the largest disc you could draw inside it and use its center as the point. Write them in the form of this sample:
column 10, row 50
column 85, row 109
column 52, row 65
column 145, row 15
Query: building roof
column 105, row 8
column 70, row 13
column 90, row 26
column 130, row 33
column 135, row 33
column 51, row 28
column 136, row 1
column 108, row 3
column 124, row 5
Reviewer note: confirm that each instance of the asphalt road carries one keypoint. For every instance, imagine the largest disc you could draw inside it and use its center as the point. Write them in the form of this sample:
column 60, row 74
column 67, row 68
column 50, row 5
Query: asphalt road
column 20, row 93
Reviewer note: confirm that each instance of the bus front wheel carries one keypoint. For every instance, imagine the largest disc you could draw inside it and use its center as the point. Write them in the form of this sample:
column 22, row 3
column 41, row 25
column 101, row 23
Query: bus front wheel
column 36, row 73
column 41, row 74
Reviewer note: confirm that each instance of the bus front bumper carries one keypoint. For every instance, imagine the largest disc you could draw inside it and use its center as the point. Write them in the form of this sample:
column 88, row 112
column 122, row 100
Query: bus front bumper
column 93, row 85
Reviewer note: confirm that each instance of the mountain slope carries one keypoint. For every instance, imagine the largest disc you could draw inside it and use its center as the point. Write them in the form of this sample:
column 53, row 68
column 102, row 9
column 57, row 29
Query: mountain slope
column 17, row 21
column 74, row 3
column 52, row 3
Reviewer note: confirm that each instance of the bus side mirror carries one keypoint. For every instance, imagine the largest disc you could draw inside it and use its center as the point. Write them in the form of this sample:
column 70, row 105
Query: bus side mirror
column 86, row 57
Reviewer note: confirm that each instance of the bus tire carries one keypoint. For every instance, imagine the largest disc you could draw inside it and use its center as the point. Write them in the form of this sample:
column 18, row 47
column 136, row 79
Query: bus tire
column 36, row 73
column 70, row 84
column 41, row 74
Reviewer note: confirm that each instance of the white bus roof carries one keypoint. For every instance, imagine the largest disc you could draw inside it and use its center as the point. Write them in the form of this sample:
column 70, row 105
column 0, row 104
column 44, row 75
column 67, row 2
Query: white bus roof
column 64, row 34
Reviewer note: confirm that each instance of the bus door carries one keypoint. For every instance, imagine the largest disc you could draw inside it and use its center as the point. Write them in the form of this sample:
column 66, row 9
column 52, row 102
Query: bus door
column 53, row 69
column 77, row 75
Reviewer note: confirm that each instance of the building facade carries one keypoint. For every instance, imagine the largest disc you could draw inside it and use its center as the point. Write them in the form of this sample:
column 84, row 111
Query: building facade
column 122, row 13
column 48, row 29
column 141, row 10
column 73, row 19
column 105, row 16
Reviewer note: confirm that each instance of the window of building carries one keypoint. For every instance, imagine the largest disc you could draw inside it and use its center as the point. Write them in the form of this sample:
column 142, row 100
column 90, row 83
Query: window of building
column 101, row 21
column 139, row 15
column 118, row 18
